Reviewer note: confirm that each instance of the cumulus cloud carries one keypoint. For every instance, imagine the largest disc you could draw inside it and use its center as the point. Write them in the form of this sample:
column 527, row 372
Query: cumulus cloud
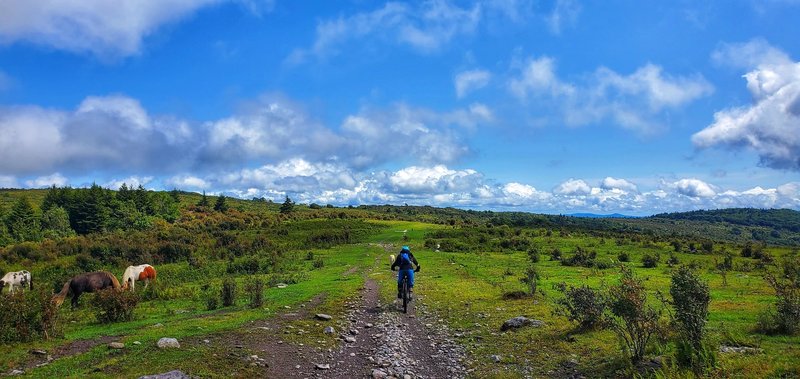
column 47, row 181
column 103, row 28
column 610, row 183
column 187, row 182
column 8, row 181
column 694, row 188
column 573, row 187
column 471, row 80
column 770, row 126
column 102, row 133
column 633, row 101
column 130, row 182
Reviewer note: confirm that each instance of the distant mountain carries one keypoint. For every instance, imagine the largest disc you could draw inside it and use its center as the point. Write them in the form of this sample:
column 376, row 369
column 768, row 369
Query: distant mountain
column 594, row 215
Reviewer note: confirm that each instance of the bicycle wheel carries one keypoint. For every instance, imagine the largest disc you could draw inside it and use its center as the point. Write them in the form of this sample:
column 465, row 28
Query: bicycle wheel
column 405, row 295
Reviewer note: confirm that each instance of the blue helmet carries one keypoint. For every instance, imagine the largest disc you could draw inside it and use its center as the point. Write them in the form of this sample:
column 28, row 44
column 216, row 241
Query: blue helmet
column 405, row 248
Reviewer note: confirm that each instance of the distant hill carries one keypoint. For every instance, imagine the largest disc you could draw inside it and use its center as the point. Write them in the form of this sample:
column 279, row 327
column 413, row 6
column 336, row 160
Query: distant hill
column 780, row 219
column 594, row 215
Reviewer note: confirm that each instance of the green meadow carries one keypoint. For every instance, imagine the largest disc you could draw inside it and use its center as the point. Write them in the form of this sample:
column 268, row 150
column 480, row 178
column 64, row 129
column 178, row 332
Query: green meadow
column 323, row 255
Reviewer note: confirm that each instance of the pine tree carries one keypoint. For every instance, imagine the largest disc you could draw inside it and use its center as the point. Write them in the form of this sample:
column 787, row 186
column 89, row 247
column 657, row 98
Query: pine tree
column 203, row 200
column 287, row 206
column 22, row 223
column 220, row 205
column 55, row 223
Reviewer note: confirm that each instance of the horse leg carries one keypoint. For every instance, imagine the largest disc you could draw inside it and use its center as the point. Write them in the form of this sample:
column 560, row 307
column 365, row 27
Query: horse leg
column 146, row 283
column 75, row 300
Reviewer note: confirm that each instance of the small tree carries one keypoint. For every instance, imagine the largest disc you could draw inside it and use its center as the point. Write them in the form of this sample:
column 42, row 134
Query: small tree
column 255, row 291
column 287, row 206
column 220, row 205
column 22, row 222
column 55, row 223
column 531, row 279
column 631, row 318
column 228, row 294
column 690, row 299
column 203, row 200
column 533, row 255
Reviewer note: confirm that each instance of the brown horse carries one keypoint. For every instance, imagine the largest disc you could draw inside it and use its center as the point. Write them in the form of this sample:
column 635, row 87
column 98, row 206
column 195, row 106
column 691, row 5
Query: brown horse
column 87, row 282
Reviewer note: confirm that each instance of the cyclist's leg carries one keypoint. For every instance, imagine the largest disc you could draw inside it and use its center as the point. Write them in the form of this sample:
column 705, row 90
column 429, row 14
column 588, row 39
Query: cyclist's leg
column 400, row 274
column 410, row 279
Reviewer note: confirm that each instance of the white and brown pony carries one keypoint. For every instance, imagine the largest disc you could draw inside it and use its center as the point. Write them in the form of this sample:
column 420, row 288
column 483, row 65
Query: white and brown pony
column 143, row 272
column 88, row 282
column 16, row 279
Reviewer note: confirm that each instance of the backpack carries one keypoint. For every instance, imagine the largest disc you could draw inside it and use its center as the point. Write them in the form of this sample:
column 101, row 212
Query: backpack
column 404, row 259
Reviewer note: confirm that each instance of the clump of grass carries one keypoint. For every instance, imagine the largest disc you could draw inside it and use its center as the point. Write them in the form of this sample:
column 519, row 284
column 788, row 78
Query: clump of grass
column 228, row 292
column 255, row 292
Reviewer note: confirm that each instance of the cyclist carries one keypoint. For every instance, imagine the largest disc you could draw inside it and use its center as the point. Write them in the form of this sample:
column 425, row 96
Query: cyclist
column 403, row 262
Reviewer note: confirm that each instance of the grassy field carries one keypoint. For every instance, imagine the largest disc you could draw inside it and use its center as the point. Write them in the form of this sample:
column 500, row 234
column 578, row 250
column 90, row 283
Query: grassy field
column 465, row 290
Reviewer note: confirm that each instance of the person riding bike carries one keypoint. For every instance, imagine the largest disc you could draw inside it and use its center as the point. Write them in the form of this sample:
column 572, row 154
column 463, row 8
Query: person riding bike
column 403, row 261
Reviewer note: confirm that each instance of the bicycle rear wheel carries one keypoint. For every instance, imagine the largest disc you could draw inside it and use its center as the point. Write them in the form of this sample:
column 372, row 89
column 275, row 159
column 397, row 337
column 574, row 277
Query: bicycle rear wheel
column 405, row 295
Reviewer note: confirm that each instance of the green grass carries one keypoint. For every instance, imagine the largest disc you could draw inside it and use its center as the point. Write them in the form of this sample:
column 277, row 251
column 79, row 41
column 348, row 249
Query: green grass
column 464, row 289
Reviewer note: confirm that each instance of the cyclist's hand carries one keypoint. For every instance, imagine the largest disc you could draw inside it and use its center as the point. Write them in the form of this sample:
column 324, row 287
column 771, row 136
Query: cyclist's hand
column 417, row 270
column 392, row 268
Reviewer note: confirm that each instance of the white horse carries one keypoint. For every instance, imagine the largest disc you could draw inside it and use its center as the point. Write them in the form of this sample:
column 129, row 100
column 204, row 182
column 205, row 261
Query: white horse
column 143, row 272
column 16, row 279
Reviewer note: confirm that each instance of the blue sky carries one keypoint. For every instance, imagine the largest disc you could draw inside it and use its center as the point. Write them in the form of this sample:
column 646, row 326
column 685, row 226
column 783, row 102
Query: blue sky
column 559, row 106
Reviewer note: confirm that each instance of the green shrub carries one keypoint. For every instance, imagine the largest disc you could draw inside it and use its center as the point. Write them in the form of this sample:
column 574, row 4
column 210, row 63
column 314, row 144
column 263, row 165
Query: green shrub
column 673, row 260
column 228, row 292
column 212, row 299
column 623, row 257
column 631, row 317
column 650, row 260
column 255, row 292
column 555, row 255
column 245, row 265
column 785, row 317
column 690, row 299
column 533, row 255
column 581, row 257
column 113, row 305
column 27, row 316
column 582, row 305
column 318, row 263
column 531, row 279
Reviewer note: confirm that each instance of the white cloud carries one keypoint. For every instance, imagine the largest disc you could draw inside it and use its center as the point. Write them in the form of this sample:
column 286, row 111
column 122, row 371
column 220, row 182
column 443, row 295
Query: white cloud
column 565, row 13
column 130, row 182
column 771, row 125
column 471, row 80
column 437, row 179
column 610, row 183
column 189, row 182
column 633, row 101
column 55, row 179
column 103, row 28
column 572, row 187
column 694, row 188
column 103, row 132
column 7, row 181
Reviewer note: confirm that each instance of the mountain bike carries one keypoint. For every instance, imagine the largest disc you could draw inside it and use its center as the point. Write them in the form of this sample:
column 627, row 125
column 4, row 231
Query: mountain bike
column 404, row 293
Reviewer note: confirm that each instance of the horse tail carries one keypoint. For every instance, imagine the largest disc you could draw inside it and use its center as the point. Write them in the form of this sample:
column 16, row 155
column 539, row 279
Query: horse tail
column 59, row 297
column 114, row 281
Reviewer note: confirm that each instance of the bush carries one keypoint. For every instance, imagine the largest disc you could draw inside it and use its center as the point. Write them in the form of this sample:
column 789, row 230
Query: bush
column 581, row 258
column 650, row 260
column 244, row 265
column 255, row 292
column 690, row 299
column 228, row 293
column 785, row 318
column 212, row 301
column 533, row 255
column 555, row 255
column 623, row 257
column 582, row 305
column 673, row 260
column 113, row 305
column 531, row 279
column 27, row 316
column 631, row 318
column 318, row 263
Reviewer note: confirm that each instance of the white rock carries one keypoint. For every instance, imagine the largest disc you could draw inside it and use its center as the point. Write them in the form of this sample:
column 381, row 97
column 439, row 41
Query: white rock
column 166, row 342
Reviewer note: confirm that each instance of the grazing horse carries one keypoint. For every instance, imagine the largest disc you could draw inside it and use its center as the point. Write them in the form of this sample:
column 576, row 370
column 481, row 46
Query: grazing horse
column 87, row 282
column 16, row 279
column 143, row 272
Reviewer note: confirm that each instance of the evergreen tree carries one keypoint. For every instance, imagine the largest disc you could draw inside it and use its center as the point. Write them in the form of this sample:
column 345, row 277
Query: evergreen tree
column 143, row 201
column 287, row 206
column 176, row 195
column 92, row 209
column 203, row 200
column 220, row 205
column 55, row 223
column 22, row 223
column 124, row 193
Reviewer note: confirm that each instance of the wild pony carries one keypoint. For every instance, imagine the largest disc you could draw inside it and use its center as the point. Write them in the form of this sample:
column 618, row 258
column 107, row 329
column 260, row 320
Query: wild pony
column 143, row 272
column 87, row 282
column 18, row 279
